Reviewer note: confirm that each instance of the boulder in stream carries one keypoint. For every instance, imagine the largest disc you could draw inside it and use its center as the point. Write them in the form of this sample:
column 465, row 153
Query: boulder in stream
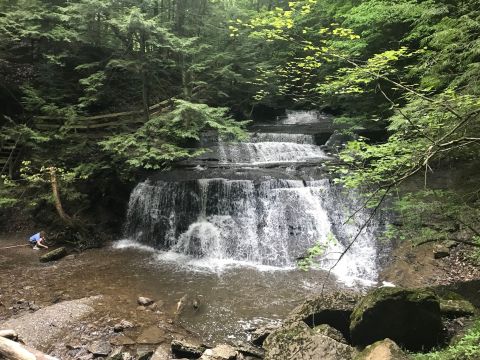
column 296, row 340
column 333, row 309
column 54, row 255
column 410, row 317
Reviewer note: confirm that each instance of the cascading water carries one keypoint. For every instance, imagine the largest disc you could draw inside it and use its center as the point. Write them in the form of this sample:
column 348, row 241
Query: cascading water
column 261, row 220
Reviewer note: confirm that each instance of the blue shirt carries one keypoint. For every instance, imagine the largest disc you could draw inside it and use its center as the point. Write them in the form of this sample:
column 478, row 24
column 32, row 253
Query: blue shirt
column 35, row 237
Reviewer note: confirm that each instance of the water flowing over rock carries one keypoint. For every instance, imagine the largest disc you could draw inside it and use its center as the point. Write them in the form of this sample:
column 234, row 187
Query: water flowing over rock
column 253, row 217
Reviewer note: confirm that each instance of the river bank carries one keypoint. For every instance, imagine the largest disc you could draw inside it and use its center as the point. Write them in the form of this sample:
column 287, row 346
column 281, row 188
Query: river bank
column 229, row 302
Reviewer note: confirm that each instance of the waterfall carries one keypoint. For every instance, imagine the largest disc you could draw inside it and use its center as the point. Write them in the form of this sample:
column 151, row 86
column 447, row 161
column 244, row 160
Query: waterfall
column 282, row 138
column 261, row 219
column 295, row 117
column 269, row 152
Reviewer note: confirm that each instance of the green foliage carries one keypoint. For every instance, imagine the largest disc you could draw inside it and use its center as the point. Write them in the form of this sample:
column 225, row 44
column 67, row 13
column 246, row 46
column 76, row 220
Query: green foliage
column 467, row 348
column 315, row 252
column 154, row 145
column 436, row 215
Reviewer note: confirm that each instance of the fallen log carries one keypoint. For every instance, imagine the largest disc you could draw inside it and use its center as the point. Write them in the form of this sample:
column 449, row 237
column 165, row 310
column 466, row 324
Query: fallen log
column 11, row 350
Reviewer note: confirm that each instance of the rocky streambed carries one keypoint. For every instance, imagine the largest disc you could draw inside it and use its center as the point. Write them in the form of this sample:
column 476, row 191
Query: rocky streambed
column 125, row 304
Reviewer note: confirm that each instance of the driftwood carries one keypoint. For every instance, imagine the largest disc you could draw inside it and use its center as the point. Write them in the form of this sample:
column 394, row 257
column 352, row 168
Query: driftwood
column 11, row 350
column 9, row 334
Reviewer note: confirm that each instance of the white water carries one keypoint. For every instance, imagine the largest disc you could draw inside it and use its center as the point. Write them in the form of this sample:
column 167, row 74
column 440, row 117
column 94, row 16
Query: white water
column 235, row 222
column 282, row 138
column 214, row 223
column 261, row 153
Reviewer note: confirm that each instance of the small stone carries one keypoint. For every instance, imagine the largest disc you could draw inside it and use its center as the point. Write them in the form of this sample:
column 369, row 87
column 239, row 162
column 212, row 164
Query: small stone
column 34, row 307
column 144, row 301
column 100, row 348
column 160, row 354
column 122, row 325
column 441, row 252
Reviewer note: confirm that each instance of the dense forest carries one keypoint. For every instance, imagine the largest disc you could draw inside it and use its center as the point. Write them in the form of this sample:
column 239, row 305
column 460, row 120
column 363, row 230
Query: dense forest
column 94, row 94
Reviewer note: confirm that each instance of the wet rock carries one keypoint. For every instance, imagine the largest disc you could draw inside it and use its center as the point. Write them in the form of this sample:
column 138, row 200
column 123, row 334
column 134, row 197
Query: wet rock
column 116, row 353
column 160, row 354
column 121, row 341
column 122, row 325
column 151, row 335
column 33, row 307
column 410, row 317
column 220, row 352
column 333, row 309
column 144, row 301
column 249, row 350
column 100, row 348
column 382, row 350
column 51, row 322
column 144, row 353
column 296, row 340
column 54, row 255
column 440, row 252
column 185, row 349
column 259, row 335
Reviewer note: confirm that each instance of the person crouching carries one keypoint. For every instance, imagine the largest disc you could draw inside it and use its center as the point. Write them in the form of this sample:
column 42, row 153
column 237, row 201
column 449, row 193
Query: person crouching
column 38, row 240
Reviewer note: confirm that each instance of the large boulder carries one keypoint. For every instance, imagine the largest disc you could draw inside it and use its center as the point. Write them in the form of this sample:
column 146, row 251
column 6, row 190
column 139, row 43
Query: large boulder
column 296, row 340
column 382, row 350
column 333, row 309
column 410, row 317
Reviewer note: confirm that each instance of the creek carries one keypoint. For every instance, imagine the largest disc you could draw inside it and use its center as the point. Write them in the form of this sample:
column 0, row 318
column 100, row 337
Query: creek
column 228, row 227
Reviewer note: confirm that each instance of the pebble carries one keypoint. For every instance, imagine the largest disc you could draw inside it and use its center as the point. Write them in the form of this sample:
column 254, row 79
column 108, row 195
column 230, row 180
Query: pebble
column 144, row 301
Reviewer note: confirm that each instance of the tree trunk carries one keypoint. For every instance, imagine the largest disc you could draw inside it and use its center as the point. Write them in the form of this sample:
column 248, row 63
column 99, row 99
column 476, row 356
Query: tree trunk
column 12, row 350
column 56, row 196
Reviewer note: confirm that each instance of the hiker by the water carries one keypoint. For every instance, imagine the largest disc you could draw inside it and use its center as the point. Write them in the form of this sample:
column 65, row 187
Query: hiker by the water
column 38, row 240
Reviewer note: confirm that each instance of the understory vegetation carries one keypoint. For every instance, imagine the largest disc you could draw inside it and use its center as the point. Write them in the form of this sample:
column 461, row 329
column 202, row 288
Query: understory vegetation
column 466, row 348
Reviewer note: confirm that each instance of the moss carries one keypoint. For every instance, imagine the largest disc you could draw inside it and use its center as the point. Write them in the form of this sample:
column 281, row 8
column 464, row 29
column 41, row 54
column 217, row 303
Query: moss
column 381, row 294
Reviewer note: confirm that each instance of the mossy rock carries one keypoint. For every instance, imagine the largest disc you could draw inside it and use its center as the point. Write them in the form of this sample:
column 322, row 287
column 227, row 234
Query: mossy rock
column 295, row 340
column 333, row 309
column 330, row 332
column 452, row 304
column 456, row 308
column 410, row 317
column 382, row 350
column 54, row 255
